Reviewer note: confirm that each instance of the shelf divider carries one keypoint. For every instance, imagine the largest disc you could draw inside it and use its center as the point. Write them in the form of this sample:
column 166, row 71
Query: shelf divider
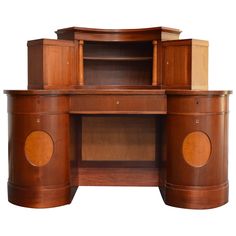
column 117, row 58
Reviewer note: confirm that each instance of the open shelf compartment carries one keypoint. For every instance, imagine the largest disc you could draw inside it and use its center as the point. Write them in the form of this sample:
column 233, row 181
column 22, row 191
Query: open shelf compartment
column 117, row 63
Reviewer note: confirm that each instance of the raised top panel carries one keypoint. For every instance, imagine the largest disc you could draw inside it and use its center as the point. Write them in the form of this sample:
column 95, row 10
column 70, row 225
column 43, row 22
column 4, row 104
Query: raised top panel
column 143, row 34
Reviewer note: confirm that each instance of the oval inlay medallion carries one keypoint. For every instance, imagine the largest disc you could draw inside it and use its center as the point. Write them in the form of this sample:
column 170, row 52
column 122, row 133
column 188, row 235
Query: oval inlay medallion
column 196, row 149
column 38, row 148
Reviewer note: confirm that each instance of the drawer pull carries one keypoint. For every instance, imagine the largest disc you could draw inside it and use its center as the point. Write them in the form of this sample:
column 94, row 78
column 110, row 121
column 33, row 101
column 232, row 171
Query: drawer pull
column 117, row 102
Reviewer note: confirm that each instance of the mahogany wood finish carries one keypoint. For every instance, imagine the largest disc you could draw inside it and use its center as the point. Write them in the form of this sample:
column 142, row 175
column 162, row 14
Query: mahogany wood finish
column 185, row 64
column 189, row 185
column 121, row 35
column 81, row 62
column 185, row 185
column 33, row 185
column 44, row 54
column 114, row 104
column 155, row 64
column 118, row 108
column 153, row 56
column 118, row 177
column 41, row 155
column 129, row 138
column 193, row 155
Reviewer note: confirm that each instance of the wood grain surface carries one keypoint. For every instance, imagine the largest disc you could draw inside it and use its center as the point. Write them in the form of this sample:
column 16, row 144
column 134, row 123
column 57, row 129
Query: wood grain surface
column 121, row 107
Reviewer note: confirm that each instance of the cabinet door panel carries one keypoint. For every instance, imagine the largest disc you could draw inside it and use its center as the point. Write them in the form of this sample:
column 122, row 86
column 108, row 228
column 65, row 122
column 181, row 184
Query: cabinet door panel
column 176, row 66
column 59, row 66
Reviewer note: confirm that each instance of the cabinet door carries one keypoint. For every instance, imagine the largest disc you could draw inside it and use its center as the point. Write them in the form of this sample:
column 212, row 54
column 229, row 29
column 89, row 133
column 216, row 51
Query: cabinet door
column 59, row 66
column 176, row 64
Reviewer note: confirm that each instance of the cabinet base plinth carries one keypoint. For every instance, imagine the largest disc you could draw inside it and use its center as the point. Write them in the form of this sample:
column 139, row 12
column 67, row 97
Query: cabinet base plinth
column 196, row 197
column 39, row 197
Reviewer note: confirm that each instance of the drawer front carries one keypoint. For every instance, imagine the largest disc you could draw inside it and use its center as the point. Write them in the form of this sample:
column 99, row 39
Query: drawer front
column 20, row 104
column 118, row 104
column 197, row 104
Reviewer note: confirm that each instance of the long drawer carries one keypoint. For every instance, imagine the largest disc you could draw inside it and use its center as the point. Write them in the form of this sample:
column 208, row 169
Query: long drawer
column 118, row 104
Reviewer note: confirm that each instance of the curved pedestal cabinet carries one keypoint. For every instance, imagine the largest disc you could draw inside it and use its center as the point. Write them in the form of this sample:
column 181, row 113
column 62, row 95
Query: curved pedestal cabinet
column 197, row 124
column 38, row 151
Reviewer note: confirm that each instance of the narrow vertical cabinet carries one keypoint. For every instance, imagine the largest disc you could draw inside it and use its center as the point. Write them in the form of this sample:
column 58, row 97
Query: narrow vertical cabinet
column 45, row 54
column 185, row 64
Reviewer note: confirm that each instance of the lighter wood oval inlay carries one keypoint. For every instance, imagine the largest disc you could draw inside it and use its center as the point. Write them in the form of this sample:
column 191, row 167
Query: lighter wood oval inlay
column 38, row 148
column 196, row 149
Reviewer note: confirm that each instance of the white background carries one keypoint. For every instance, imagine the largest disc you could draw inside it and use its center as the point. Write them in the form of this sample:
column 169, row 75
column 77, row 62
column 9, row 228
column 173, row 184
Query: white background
column 116, row 210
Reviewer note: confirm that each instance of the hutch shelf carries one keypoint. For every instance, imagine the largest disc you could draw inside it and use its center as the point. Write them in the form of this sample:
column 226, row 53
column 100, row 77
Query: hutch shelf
column 118, row 107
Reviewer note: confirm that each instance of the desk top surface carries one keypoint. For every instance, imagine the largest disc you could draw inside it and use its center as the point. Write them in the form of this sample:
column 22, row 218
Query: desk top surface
column 125, row 91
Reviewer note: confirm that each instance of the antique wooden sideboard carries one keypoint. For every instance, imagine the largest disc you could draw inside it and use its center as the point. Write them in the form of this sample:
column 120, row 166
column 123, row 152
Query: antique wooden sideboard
column 118, row 108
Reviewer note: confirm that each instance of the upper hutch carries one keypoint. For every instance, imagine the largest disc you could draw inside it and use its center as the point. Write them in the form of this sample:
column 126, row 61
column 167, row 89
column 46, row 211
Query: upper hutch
column 131, row 57
column 112, row 107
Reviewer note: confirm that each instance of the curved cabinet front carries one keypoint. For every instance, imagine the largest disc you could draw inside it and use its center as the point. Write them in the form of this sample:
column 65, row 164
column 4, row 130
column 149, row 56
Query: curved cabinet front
column 196, row 175
column 38, row 150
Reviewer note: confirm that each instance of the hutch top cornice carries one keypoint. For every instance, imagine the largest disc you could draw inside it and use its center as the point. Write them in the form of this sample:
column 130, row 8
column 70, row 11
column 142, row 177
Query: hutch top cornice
column 143, row 34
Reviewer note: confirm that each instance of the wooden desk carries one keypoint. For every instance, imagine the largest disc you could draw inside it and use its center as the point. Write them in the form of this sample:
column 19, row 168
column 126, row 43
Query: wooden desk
column 176, row 140
column 118, row 108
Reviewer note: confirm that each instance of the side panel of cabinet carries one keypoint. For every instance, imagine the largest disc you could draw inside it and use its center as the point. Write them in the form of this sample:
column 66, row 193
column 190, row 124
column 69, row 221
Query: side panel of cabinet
column 51, row 64
column 185, row 64
column 200, row 66
column 35, row 66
